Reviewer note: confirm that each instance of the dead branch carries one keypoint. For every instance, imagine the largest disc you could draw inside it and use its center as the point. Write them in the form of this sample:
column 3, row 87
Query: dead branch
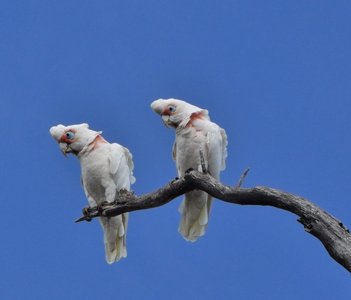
column 335, row 237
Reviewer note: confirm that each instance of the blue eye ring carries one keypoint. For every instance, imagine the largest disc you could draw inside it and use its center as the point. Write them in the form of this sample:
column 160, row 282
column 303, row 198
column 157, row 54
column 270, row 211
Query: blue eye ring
column 172, row 108
column 70, row 135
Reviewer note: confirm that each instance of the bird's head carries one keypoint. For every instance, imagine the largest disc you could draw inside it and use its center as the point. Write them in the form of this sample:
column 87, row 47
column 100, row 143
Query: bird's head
column 175, row 112
column 73, row 138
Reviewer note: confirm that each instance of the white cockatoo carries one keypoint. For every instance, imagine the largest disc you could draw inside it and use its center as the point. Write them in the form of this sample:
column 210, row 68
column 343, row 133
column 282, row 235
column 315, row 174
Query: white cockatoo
column 106, row 169
column 194, row 133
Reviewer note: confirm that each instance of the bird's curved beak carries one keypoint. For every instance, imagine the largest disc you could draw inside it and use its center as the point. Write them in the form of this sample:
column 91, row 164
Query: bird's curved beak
column 165, row 120
column 64, row 147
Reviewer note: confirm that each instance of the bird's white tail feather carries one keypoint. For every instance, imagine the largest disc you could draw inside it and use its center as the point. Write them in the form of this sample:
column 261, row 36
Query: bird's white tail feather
column 115, row 231
column 195, row 209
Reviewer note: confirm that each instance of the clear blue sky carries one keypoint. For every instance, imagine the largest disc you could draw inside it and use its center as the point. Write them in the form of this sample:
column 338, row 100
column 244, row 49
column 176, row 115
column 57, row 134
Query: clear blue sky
column 275, row 75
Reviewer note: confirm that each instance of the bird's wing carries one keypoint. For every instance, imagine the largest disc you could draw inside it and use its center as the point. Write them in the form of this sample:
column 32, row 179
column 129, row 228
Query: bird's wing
column 216, row 144
column 121, row 166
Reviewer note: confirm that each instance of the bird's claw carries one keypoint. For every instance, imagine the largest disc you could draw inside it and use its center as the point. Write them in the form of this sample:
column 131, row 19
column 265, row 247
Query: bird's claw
column 189, row 170
column 125, row 192
column 100, row 206
column 123, row 195
column 86, row 213
column 173, row 181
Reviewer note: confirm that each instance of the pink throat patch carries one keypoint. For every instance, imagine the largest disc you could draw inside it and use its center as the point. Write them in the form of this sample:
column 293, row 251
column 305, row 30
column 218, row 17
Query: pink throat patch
column 194, row 117
column 98, row 141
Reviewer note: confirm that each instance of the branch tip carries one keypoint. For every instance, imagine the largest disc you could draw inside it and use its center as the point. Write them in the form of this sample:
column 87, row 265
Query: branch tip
column 80, row 219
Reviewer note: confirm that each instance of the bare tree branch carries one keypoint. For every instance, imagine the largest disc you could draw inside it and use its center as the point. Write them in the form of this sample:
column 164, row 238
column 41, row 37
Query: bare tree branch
column 335, row 237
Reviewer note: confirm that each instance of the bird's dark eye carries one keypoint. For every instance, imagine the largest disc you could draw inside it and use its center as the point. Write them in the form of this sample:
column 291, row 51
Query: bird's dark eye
column 70, row 135
column 172, row 108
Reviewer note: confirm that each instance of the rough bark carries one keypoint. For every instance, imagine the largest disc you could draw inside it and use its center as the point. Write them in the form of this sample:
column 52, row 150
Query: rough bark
column 335, row 237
